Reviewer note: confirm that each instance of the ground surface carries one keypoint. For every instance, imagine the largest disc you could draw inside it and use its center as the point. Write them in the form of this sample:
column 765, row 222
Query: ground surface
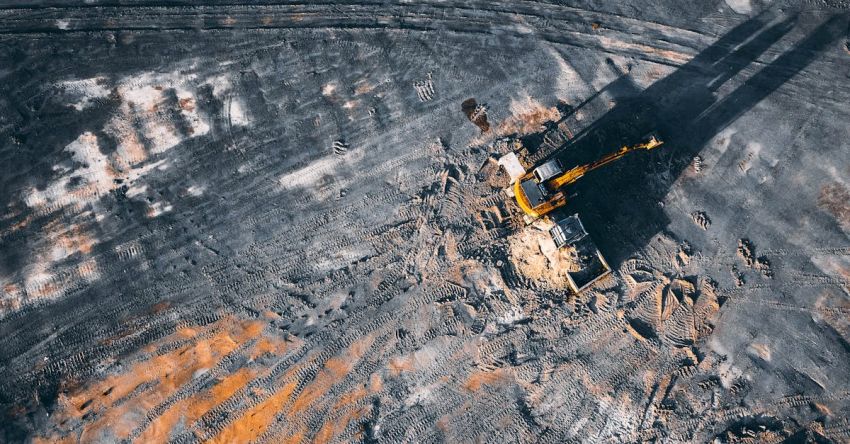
column 284, row 222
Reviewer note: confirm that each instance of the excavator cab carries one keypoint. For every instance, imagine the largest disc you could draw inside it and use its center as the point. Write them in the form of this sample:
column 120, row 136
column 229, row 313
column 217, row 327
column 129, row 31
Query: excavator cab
column 539, row 199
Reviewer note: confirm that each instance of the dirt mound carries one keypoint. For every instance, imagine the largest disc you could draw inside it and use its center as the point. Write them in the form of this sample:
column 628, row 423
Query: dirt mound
column 533, row 253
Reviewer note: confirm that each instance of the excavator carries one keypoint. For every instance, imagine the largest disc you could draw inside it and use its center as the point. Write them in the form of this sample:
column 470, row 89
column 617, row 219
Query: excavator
column 540, row 192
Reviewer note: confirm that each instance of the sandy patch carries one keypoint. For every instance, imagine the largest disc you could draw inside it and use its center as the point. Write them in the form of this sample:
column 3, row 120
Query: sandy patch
column 533, row 253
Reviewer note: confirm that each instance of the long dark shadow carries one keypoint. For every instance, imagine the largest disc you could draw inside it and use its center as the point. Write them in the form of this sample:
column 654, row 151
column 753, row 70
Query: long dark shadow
column 620, row 205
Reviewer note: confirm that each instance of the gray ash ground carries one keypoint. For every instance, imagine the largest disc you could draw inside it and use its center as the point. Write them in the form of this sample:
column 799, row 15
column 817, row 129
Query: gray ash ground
column 284, row 222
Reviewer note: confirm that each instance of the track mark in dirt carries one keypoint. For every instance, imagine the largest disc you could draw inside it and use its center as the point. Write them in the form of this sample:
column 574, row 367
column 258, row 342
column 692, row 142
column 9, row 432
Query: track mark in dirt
column 425, row 89
column 744, row 165
column 701, row 219
column 676, row 308
column 340, row 147
column 476, row 113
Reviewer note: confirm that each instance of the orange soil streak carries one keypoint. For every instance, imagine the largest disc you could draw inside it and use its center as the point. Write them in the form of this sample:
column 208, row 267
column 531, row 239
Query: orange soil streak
column 835, row 198
column 161, row 306
column 335, row 370
column 400, row 364
column 19, row 225
column 132, row 151
column 363, row 88
column 376, row 384
column 191, row 409
column 172, row 370
column 672, row 56
column 75, row 240
column 529, row 122
column 187, row 104
column 45, row 290
column 443, row 423
column 528, row 116
column 85, row 192
column 477, row 379
column 266, row 346
column 268, row 314
column 167, row 373
column 335, row 427
column 256, row 420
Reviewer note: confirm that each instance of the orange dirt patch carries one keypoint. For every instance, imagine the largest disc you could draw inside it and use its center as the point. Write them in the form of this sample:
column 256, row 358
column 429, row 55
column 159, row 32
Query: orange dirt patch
column 835, row 199
column 333, row 372
column 443, row 423
column 187, row 104
column 256, row 420
column 191, row 409
column 536, row 257
column 19, row 225
column 674, row 57
column 343, row 415
column 477, row 379
column 376, row 384
column 130, row 151
column 144, row 385
column 75, row 240
column 397, row 365
column 363, row 88
column 159, row 307
column 528, row 117
column 266, row 346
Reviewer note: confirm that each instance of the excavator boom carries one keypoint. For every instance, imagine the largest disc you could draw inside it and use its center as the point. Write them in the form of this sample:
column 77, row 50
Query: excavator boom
column 579, row 171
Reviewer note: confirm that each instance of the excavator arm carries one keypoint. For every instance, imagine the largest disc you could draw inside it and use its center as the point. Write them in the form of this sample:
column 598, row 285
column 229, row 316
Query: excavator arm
column 579, row 171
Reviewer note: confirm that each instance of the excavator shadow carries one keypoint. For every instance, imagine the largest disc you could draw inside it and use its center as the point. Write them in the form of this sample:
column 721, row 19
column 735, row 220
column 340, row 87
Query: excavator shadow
column 620, row 204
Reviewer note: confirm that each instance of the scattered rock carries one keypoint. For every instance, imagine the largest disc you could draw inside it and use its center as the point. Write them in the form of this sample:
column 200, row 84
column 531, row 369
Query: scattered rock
column 701, row 219
column 738, row 277
column 697, row 164
column 536, row 257
column 747, row 252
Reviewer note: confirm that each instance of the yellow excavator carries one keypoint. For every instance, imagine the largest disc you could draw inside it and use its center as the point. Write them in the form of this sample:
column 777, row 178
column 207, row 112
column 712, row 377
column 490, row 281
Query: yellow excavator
column 540, row 191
